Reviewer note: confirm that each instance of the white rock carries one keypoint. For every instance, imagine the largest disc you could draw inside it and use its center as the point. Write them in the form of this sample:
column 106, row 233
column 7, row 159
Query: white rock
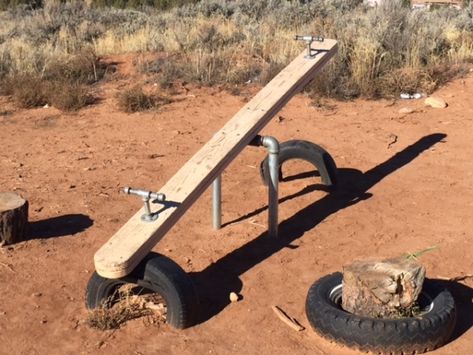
column 234, row 297
column 435, row 102
column 406, row 110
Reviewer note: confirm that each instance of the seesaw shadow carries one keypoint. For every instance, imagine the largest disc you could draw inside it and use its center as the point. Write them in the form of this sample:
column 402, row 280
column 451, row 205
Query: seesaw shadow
column 215, row 282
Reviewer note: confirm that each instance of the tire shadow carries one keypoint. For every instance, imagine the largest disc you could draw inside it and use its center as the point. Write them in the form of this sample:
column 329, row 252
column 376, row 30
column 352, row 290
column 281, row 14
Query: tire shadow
column 463, row 296
column 215, row 282
column 60, row 226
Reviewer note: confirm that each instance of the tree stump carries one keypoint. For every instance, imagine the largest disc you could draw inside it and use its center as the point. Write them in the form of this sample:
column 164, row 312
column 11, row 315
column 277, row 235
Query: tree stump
column 382, row 289
column 13, row 218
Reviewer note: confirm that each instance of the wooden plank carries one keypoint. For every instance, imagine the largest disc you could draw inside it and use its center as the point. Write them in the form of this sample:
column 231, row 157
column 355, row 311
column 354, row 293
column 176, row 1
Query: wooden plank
column 122, row 253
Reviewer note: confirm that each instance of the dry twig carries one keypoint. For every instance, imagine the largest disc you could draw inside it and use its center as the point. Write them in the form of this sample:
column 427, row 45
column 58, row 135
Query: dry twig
column 291, row 322
column 7, row 266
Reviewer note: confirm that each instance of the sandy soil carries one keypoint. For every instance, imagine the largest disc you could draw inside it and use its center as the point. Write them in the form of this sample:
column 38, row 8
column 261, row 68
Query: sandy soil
column 406, row 184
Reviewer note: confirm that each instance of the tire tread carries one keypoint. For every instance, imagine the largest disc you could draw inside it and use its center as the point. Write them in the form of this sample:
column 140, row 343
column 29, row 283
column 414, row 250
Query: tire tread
column 407, row 335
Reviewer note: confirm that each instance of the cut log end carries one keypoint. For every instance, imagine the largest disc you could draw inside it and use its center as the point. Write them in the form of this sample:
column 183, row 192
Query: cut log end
column 385, row 289
column 13, row 218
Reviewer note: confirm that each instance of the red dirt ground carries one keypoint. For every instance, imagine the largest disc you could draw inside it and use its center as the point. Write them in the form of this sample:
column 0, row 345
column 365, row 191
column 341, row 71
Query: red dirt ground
column 407, row 184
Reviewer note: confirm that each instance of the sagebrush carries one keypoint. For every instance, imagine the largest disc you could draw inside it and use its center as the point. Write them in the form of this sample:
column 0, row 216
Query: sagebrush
column 383, row 50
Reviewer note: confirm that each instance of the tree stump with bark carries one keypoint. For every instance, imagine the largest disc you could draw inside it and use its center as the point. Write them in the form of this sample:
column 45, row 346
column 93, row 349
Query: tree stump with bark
column 13, row 218
column 382, row 289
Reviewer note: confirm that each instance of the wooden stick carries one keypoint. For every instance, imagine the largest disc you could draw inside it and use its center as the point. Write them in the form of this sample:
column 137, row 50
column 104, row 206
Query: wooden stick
column 7, row 266
column 291, row 322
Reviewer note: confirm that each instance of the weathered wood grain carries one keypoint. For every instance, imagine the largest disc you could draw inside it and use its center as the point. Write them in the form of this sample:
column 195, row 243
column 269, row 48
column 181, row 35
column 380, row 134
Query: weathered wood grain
column 13, row 218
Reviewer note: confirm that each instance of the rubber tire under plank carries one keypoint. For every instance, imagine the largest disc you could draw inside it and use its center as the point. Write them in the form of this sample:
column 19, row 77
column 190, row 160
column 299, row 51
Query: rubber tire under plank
column 158, row 274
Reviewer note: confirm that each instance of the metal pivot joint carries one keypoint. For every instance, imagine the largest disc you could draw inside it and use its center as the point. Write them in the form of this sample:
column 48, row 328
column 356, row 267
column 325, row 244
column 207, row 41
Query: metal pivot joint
column 309, row 40
column 217, row 203
column 272, row 145
column 148, row 216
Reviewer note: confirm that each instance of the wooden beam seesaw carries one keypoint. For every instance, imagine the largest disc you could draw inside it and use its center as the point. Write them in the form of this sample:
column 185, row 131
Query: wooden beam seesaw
column 135, row 239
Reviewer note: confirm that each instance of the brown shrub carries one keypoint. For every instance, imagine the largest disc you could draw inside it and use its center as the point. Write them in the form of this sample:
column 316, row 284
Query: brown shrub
column 6, row 87
column 405, row 80
column 445, row 73
column 83, row 67
column 127, row 304
column 135, row 99
column 69, row 97
column 62, row 83
column 270, row 71
column 29, row 92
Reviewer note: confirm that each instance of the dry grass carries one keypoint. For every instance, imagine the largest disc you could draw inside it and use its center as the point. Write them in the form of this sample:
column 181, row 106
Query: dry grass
column 383, row 50
column 63, row 82
column 126, row 305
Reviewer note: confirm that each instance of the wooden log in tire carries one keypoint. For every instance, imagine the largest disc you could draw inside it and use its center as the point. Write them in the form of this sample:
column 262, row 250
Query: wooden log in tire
column 382, row 289
column 13, row 218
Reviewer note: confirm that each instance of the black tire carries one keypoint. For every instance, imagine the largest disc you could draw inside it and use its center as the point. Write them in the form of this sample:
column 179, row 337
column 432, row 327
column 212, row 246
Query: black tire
column 426, row 332
column 158, row 274
column 308, row 151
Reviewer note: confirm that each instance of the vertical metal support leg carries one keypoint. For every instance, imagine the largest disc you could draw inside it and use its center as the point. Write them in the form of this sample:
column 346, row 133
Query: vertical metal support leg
column 272, row 145
column 217, row 203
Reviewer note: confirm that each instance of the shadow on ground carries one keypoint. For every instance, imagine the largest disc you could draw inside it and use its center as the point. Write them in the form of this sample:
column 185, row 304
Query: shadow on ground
column 215, row 282
column 60, row 226
column 463, row 296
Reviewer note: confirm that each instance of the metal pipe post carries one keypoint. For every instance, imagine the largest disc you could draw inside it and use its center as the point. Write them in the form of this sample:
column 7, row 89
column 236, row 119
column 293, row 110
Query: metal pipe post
column 217, row 203
column 272, row 145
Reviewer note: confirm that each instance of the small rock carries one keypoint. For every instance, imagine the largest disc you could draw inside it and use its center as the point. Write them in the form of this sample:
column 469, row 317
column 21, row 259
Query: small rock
column 46, row 106
column 234, row 297
column 37, row 294
column 406, row 110
column 435, row 102
column 279, row 119
column 44, row 321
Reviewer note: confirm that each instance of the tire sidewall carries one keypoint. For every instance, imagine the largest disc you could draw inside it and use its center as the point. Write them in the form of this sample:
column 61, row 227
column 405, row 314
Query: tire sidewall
column 158, row 274
column 427, row 331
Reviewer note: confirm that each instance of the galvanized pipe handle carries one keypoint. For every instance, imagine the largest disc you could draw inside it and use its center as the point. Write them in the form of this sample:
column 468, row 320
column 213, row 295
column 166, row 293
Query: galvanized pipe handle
column 145, row 195
column 309, row 38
